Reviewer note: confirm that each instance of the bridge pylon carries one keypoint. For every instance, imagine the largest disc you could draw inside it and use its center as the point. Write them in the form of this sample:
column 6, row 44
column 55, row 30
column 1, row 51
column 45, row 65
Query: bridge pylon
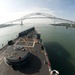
column 21, row 22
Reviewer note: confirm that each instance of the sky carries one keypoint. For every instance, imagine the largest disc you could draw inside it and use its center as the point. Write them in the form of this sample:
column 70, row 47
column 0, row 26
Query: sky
column 13, row 9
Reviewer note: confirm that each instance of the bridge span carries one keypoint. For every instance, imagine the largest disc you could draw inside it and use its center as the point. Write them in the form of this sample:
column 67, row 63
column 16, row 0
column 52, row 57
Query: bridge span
column 39, row 14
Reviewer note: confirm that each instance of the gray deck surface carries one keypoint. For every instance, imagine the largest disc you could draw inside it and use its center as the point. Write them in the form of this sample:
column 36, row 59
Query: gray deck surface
column 35, row 67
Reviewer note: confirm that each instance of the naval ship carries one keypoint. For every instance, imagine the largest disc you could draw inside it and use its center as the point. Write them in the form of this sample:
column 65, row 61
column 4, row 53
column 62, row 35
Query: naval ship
column 25, row 55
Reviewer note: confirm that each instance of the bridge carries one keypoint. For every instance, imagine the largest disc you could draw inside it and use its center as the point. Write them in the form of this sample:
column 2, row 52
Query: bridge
column 40, row 15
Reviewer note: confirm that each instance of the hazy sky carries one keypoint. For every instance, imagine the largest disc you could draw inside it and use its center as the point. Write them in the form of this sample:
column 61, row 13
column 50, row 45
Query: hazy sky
column 11, row 9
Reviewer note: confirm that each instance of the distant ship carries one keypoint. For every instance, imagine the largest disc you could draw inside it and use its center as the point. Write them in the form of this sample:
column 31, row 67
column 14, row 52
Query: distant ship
column 26, row 55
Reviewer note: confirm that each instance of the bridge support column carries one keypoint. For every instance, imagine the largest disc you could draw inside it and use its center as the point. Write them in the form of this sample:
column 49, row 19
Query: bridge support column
column 54, row 21
column 21, row 22
column 11, row 22
column 71, row 25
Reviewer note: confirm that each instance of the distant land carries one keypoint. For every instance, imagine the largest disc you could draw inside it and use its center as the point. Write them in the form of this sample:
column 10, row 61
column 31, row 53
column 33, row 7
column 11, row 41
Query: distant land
column 6, row 25
column 64, row 24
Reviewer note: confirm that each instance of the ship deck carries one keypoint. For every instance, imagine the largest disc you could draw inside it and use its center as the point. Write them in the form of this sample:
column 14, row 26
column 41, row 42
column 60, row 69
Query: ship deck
column 36, row 66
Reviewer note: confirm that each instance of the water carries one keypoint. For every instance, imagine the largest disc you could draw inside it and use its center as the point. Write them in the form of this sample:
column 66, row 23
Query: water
column 60, row 45
column 9, row 33
column 59, row 42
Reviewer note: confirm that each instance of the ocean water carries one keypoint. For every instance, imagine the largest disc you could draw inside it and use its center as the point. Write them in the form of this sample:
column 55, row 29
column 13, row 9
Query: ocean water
column 59, row 42
column 60, row 45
